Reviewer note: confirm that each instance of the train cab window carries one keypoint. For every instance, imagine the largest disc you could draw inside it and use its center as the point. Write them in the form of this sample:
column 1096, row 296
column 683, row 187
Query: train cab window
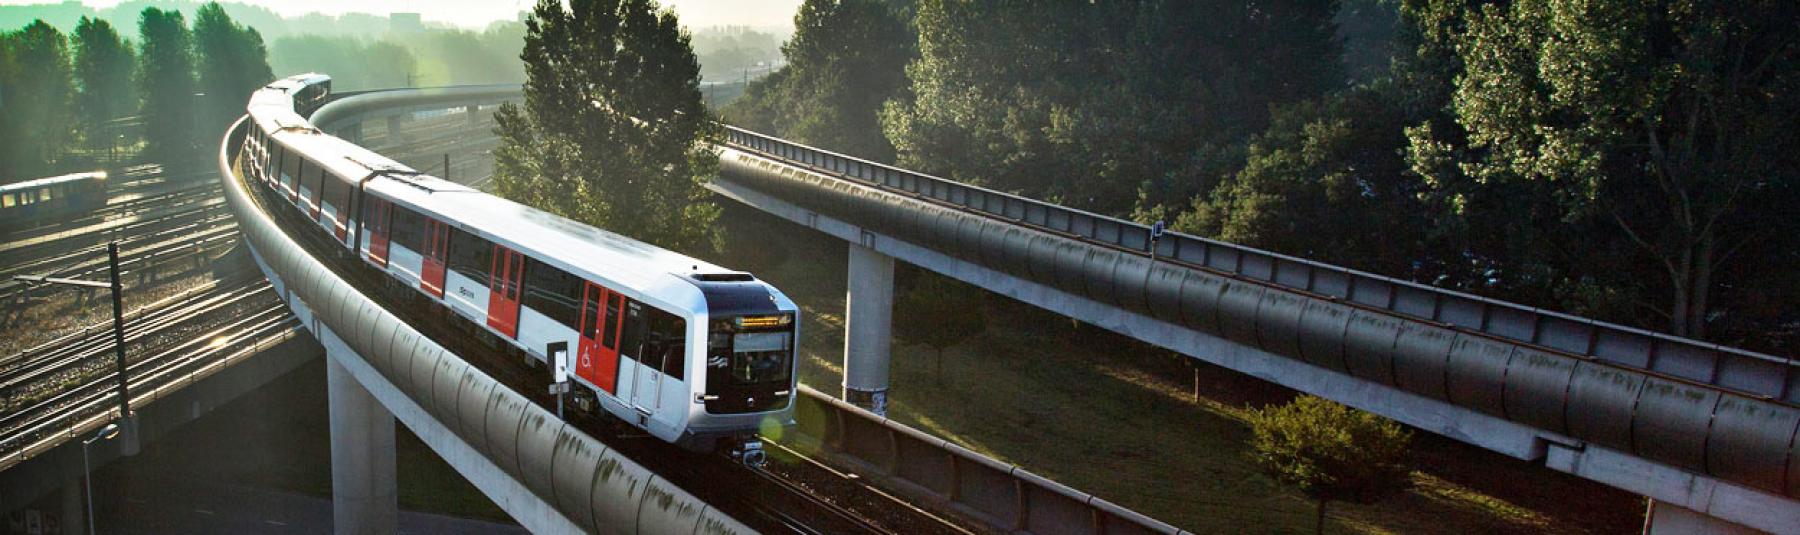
column 553, row 292
column 752, row 349
column 470, row 256
column 406, row 229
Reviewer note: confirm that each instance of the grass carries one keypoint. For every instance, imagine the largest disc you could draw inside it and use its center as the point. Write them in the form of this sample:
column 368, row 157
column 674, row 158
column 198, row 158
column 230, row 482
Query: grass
column 1117, row 418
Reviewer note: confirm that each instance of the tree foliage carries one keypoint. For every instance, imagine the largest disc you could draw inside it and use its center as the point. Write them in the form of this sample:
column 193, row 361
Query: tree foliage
column 232, row 64
column 846, row 60
column 1325, row 182
column 1330, row 452
column 1088, row 104
column 1622, row 135
column 37, row 114
column 613, row 128
column 938, row 313
column 103, row 63
column 165, row 82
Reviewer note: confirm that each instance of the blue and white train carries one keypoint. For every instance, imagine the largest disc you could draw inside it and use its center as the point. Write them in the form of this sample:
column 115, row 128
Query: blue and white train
column 694, row 354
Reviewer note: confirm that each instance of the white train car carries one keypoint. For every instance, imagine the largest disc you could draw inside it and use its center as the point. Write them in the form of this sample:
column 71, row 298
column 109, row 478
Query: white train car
column 692, row 353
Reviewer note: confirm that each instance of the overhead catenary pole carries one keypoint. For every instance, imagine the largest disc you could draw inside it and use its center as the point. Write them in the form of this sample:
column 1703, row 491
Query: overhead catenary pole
column 112, row 261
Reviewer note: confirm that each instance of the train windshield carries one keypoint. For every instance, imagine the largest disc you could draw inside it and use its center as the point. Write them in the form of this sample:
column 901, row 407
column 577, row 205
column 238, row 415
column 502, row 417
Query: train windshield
column 760, row 357
column 752, row 349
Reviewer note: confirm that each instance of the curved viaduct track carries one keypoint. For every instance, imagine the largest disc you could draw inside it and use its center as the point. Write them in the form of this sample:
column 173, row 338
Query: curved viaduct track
column 790, row 497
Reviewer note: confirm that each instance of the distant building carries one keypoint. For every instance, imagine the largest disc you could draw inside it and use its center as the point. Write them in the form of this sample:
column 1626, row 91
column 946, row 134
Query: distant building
column 405, row 23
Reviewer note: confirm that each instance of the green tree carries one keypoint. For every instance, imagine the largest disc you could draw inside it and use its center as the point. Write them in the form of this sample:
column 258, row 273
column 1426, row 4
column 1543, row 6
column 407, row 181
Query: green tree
column 1656, row 132
column 1107, row 106
column 613, row 131
column 1326, row 182
column 38, row 112
column 232, row 64
column 1330, row 452
column 165, row 82
column 103, row 64
column 938, row 313
column 847, row 58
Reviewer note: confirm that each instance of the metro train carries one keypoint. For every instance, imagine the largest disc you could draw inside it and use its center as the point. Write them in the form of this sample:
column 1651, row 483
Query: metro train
column 34, row 202
column 694, row 354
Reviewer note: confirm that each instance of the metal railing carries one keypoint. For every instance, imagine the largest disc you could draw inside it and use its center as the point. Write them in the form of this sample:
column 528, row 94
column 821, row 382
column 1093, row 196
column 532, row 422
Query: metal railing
column 1004, row 496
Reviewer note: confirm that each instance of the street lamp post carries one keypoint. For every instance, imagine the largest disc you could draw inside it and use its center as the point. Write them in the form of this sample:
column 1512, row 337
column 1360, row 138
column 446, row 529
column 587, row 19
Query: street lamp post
column 112, row 262
column 87, row 480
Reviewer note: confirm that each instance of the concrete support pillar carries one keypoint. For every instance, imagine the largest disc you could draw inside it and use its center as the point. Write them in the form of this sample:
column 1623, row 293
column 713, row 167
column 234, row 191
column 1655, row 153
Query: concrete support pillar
column 868, row 329
column 352, row 133
column 363, row 496
column 470, row 111
column 1666, row 519
column 394, row 130
column 74, row 507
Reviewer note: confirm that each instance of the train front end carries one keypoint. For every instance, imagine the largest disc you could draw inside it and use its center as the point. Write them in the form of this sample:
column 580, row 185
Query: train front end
column 752, row 344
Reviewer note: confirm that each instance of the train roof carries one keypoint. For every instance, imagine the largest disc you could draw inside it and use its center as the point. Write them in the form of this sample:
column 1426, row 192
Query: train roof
column 572, row 246
column 46, row 181
column 675, row 279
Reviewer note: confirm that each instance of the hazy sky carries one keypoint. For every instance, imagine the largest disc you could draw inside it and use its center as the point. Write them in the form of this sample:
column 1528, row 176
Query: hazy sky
column 478, row 13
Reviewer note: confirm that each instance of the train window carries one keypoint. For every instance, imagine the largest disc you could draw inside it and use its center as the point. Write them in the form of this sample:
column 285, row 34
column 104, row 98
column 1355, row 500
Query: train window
column 318, row 187
column 345, row 190
column 613, row 304
column 406, row 229
column 470, row 256
column 590, row 313
column 760, row 357
column 552, row 292
column 667, row 343
column 631, row 343
column 6, row 201
column 330, row 187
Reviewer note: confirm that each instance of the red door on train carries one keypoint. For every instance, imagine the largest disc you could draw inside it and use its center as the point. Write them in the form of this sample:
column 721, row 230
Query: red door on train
column 599, row 358
column 506, row 269
column 377, row 215
column 437, row 242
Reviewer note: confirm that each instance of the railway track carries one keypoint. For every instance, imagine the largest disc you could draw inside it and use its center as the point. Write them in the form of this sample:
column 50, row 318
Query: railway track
column 135, row 261
column 47, row 418
column 49, row 360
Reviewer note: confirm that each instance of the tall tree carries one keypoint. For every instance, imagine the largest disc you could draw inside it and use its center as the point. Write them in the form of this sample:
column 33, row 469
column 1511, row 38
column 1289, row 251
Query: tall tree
column 847, row 58
column 232, row 63
column 1330, row 452
column 103, row 63
column 165, row 82
column 1089, row 103
column 613, row 131
column 1663, row 126
column 38, row 111
column 1327, row 182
